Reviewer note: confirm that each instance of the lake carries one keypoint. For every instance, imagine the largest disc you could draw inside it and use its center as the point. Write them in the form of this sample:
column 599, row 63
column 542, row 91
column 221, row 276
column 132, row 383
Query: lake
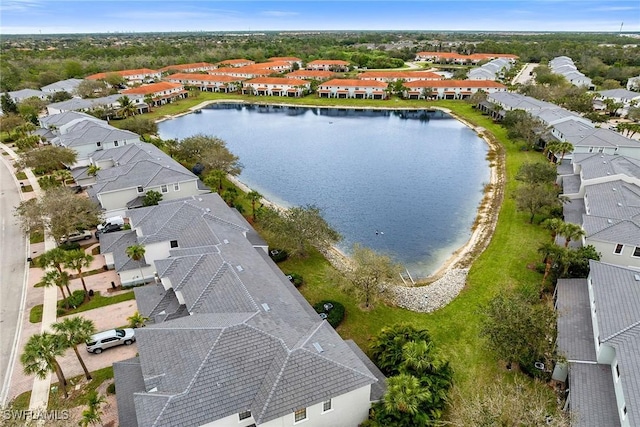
column 407, row 182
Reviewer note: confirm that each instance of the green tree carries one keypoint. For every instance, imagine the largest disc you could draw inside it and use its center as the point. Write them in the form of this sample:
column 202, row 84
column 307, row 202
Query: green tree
column 554, row 225
column 74, row 331
column 59, row 279
column 387, row 347
column 404, row 395
column 152, row 198
column 299, row 228
column 571, row 232
column 8, row 105
column 73, row 69
column 30, row 108
column 522, row 126
column 215, row 178
column 254, row 197
column 48, row 182
column 137, row 320
column 48, row 158
column 536, row 173
column 210, row 152
column 77, row 260
column 370, row 272
column 551, row 253
column 60, row 96
column 93, row 414
column 536, row 199
column 91, row 89
column 518, row 329
column 127, row 108
column 560, row 147
column 93, row 170
column 136, row 253
column 60, row 211
column 39, row 357
column 140, row 125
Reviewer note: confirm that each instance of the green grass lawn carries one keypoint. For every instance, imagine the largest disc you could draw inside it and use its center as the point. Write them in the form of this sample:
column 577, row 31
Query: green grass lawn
column 504, row 264
column 97, row 301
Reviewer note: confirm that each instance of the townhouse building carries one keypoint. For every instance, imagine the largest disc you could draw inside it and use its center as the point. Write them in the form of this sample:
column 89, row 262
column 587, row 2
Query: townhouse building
column 353, row 88
column 276, row 86
column 207, row 82
column 132, row 77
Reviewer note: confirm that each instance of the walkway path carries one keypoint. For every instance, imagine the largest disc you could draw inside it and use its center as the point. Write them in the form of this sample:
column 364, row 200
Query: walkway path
column 40, row 391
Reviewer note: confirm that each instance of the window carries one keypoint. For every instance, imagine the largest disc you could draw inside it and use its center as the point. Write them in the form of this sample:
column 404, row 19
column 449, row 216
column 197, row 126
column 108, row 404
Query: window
column 140, row 189
column 300, row 415
column 326, row 405
column 624, row 411
column 176, row 187
column 244, row 415
column 173, row 243
column 636, row 252
column 164, row 188
column 98, row 144
column 601, row 150
column 618, row 249
column 617, row 371
column 115, row 143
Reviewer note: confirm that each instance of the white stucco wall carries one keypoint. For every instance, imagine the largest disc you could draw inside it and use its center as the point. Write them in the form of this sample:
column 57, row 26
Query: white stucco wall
column 624, row 259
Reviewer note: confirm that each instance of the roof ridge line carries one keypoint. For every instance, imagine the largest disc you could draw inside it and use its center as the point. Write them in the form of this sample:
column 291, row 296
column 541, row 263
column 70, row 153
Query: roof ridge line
column 193, row 379
column 622, row 331
column 315, row 329
column 338, row 363
column 273, row 387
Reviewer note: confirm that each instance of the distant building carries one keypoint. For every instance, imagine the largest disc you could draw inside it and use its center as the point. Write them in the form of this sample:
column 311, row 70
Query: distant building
column 276, row 86
column 161, row 93
column 138, row 76
column 328, row 65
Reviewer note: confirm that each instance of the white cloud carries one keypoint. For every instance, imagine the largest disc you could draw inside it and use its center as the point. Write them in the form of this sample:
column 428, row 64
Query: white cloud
column 20, row 5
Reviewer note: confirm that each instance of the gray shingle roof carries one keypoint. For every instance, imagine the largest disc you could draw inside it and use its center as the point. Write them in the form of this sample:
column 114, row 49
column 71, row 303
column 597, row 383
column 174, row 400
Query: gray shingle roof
column 573, row 210
column 145, row 173
column 571, row 184
column 593, row 400
column 19, row 95
column 619, row 93
column 614, row 199
column 62, row 119
column 128, row 376
column 130, row 153
column 379, row 388
column 68, row 85
column 89, row 132
column 627, row 345
column 117, row 243
column 253, row 333
column 604, row 138
column 625, row 232
column 597, row 165
column 617, row 296
column 72, row 104
column 574, row 131
column 575, row 331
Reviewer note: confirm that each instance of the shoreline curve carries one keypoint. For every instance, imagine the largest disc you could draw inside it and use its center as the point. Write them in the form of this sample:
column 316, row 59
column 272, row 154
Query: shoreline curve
column 444, row 285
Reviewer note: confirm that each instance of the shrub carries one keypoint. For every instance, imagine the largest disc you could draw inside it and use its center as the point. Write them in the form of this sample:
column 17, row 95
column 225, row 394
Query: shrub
column 70, row 246
column 278, row 255
column 111, row 388
column 75, row 300
column 335, row 315
column 295, row 278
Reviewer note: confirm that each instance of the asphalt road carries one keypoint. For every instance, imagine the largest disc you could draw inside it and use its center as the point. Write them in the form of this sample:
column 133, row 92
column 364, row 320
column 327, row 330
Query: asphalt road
column 12, row 274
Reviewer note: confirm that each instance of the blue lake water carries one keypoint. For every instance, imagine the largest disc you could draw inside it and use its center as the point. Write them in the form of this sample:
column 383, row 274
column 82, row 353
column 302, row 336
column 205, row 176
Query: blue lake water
column 407, row 183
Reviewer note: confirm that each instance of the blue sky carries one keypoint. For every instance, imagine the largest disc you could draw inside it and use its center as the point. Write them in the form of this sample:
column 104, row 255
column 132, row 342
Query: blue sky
column 86, row 16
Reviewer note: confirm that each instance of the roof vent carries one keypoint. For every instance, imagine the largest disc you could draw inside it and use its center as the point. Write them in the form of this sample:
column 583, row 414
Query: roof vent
column 637, row 277
column 265, row 306
column 199, row 199
column 153, row 390
column 225, row 241
column 609, row 221
column 318, row 347
column 614, row 189
column 239, row 267
column 619, row 204
column 208, row 210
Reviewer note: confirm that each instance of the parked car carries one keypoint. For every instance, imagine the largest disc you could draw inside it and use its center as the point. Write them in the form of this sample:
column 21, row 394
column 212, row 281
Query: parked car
column 108, row 229
column 104, row 340
column 111, row 222
column 75, row 237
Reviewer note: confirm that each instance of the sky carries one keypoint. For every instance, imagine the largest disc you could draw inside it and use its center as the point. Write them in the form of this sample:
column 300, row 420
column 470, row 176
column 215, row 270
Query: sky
column 109, row 16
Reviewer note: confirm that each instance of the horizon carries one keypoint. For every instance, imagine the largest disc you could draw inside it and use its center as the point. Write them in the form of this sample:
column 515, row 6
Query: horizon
column 66, row 17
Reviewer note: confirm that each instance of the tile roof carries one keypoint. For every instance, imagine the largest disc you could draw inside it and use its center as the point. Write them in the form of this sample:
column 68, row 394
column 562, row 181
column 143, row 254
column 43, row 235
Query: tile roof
column 573, row 210
column 283, row 81
column 88, row 132
column 455, row 84
column 353, row 83
column 235, row 61
column 311, row 74
column 184, row 78
column 593, row 401
column 254, row 342
column 571, row 184
column 128, row 375
column 285, row 58
column 191, row 66
column 152, row 88
column 575, row 331
column 619, row 93
column 123, row 73
column 68, row 85
column 613, row 199
column 598, row 165
column 328, row 62
column 609, row 230
column 416, row 75
column 116, row 243
column 58, row 120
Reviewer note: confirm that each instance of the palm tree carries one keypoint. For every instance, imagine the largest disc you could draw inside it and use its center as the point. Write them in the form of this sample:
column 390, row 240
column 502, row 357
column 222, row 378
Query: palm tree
column 39, row 357
column 554, row 225
column 148, row 99
column 404, row 394
column 93, row 414
column 63, row 175
column 53, row 258
column 571, row 232
column 418, row 357
column 136, row 253
column 93, row 170
column 127, row 108
column 387, row 347
column 77, row 260
column 254, row 196
column 74, row 331
column 551, row 254
column 59, row 279
column 137, row 320
column 214, row 178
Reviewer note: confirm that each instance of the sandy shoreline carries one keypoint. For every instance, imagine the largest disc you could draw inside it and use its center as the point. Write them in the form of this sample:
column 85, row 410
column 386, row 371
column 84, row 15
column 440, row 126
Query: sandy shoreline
column 449, row 279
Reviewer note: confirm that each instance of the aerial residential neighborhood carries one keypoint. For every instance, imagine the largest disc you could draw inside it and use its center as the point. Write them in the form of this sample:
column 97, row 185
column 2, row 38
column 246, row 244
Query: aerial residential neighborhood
column 174, row 259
